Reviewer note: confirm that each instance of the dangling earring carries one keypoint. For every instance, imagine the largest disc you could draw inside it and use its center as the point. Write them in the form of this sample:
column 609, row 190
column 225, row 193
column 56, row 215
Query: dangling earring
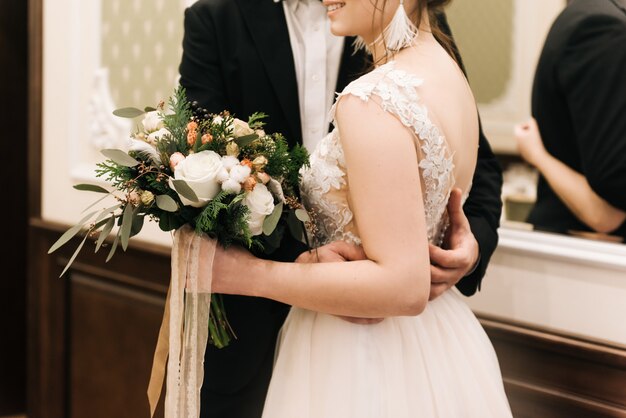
column 399, row 34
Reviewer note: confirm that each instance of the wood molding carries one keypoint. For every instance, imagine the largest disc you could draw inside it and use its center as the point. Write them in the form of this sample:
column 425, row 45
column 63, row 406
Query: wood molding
column 39, row 368
column 551, row 374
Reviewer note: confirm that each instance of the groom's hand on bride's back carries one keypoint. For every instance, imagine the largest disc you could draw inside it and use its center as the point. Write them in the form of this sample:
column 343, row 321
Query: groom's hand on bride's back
column 460, row 254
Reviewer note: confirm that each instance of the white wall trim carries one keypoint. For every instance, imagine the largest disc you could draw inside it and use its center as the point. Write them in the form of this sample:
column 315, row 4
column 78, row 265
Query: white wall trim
column 579, row 251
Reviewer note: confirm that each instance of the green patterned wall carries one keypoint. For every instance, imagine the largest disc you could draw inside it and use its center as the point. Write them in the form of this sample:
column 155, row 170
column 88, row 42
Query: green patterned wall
column 483, row 30
column 141, row 47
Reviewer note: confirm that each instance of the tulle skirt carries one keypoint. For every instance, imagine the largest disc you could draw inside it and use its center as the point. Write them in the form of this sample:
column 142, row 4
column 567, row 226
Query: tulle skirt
column 438, row 364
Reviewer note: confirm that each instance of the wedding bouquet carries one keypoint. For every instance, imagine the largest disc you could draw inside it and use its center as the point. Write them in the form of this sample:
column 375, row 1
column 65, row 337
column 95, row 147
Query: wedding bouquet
column 213, row 172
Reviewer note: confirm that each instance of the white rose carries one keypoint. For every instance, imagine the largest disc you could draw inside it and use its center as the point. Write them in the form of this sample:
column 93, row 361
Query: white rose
column 200, row 171
column 261, row 203
column 152, row 121
column 241, row 128
column 239, row 173
column 155, row 136
column 229, row 162
column 231, row 186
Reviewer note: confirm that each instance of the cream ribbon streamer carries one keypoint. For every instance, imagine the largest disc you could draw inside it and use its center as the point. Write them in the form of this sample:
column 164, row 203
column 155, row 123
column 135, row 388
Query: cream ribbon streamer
column 184, row 331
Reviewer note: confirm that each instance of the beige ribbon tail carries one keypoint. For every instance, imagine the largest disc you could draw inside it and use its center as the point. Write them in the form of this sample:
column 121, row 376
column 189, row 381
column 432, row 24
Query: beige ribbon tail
column 157, row 376
column 184, row 331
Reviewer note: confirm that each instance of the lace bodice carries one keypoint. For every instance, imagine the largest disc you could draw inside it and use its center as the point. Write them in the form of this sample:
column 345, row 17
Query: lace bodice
column 325, row 184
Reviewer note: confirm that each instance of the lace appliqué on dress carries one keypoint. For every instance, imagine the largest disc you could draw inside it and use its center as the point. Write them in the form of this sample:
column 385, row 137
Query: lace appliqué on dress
column 325, row 175
column 322, row 183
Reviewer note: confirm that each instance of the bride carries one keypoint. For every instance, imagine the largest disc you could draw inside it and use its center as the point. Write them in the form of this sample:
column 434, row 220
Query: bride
column 406, row 135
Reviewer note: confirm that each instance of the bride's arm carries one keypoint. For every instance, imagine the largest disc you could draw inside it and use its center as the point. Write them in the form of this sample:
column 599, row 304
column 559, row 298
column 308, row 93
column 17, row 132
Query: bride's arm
column 386, row 200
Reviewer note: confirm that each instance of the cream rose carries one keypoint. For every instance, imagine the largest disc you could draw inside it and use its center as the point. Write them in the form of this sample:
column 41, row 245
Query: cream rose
column 241, row 128
column 261, row 204
column 152, row 121
column 200, row 172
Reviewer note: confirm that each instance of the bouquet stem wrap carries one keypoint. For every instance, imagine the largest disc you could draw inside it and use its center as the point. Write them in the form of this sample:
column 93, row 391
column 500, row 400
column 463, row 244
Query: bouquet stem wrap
column 184, row 331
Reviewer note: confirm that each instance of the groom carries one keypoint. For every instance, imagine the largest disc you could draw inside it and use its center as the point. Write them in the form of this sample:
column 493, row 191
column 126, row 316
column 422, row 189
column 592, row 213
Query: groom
column 279, row 57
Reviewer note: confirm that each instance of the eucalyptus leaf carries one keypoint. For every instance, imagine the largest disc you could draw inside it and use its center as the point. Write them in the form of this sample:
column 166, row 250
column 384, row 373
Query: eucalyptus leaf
column 69, row 234
column 183, row 188
column 295, row 227
column 242, row 141
column 113, row 247
column 165, row 222
column 149, row 109
column 91, row 188
column 127, row 223
column 272, row 220
column 166, row 203
column 137, row 223
column 105, row 232
column 106, row 211
column 119, row 157
column 96, row 202
column 128, row 112
column 302, row 215
column 69, row 263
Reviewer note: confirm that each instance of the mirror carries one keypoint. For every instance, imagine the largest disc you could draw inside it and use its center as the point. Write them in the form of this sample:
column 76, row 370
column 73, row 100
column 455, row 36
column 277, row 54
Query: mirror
column 500, row 42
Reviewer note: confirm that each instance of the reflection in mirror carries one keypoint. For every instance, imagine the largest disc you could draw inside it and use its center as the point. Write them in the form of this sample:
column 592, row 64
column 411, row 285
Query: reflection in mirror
column 502, row 56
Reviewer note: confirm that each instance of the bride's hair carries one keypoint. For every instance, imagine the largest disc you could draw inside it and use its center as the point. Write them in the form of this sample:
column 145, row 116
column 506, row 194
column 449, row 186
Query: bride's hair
column 433, row 8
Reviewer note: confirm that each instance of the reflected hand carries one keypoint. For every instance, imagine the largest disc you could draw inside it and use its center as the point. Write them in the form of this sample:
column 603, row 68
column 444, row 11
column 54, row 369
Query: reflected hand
column 529, row 142
column 450, row 265
column 338, row 251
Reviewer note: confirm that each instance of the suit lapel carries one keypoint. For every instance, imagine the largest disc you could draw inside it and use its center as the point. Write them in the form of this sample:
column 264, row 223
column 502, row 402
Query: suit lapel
column 268, row 29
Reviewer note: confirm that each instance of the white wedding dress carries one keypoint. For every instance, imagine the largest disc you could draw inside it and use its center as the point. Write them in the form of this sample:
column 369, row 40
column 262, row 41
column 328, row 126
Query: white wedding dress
column 437, row 364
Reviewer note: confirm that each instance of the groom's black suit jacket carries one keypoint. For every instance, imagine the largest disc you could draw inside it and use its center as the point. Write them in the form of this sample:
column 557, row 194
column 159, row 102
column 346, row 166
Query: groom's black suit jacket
column 237, row 57
column 579, row 101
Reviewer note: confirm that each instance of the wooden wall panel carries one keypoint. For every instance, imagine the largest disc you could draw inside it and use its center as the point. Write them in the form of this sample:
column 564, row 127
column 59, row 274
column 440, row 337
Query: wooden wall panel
column 111, row 341
column 94, row 330
column 552, row 375
column 93, row 335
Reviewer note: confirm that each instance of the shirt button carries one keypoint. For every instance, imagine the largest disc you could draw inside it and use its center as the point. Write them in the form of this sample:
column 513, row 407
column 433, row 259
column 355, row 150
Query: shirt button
column 315, row 77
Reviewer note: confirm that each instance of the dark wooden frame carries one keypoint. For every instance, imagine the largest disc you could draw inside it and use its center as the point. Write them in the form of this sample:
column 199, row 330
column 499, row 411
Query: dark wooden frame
column 37, row 366
column 14, row 169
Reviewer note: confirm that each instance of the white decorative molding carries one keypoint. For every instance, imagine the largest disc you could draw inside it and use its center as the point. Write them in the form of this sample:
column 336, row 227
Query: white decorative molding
column 571, row 250
column 106, row 129
column 572, row 285
column 92, row 125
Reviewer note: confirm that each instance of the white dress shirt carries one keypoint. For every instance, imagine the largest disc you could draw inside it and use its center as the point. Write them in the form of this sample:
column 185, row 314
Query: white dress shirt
column 317, row 56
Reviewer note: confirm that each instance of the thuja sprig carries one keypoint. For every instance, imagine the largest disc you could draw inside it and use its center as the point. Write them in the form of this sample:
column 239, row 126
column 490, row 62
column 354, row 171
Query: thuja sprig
column 177, row 119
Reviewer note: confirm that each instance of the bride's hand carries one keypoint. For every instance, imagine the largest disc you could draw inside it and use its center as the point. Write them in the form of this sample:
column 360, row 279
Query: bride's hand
column 338, row 251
